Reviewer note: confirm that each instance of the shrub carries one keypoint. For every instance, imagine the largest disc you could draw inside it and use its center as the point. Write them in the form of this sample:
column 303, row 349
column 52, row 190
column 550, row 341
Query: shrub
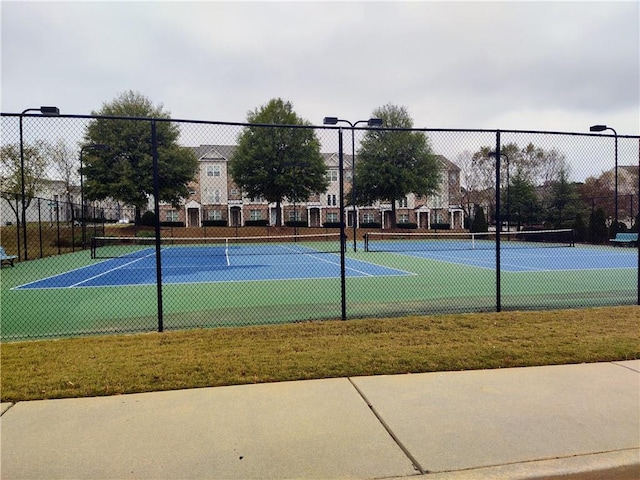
column 172, row 224
column 441, row 226
column 370, row 225
column 407, row 225
column 148, row 219
column 256, row 223
column 296, row 223
column 214, row 223
column 479, row 221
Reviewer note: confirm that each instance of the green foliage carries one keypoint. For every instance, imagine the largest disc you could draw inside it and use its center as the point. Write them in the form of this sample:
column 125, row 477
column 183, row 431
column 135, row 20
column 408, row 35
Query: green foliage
column 393, row 163
column 598, row 227
column 564, row 201
column 278, row 163
column 125, row 171
column 479, row 221
column 148, row 218
column 523, row 201
column 580, row 229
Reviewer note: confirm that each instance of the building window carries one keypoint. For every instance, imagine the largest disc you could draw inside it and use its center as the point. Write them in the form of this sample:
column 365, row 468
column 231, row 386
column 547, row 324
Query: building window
column 192, row 191
column 403, row 218
column 213, row 170
column 332, row 175
column 331, row 200
column 235, row 192
column 368, row 218
column 214, row 215
column 332, row 217
column 255, row 215
column 172, row 215
column 294, row 215
column 402, row 203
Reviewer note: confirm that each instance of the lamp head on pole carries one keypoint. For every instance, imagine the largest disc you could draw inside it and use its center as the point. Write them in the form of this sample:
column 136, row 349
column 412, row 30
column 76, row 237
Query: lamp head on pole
column 598, row 128
column 50, row 111
column 375, row 122
column 330, row 120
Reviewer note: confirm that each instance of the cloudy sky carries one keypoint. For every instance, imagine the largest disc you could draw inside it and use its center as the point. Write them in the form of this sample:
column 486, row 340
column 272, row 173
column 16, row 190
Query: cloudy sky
column 558, row 66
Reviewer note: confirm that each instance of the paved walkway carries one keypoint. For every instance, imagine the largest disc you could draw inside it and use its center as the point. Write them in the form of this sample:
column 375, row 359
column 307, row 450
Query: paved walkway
column 570, row 422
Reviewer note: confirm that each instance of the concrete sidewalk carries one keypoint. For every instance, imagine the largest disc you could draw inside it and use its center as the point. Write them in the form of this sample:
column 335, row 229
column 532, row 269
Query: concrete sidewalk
column 570, row 422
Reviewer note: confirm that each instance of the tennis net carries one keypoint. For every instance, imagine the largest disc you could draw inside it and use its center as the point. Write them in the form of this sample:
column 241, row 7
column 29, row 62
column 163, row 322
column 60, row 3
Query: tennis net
column 137, row 247
column 414, row 241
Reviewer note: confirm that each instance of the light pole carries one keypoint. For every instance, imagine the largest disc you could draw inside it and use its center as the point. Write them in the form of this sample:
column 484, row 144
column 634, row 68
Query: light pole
column 602, row 128
column 372, row 122
column 493, row 155
column 94, row 146
column 47, row 111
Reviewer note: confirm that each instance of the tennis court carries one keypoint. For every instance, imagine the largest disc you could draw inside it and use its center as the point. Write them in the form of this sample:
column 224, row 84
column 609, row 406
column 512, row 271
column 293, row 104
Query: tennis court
column 131, row 261
column 232, row 282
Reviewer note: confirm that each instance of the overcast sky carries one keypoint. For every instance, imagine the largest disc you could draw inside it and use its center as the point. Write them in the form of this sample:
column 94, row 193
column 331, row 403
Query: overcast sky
column 558, row 66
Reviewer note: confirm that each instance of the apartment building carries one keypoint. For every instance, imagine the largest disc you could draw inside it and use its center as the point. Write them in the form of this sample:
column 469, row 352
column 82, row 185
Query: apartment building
column 214, row 199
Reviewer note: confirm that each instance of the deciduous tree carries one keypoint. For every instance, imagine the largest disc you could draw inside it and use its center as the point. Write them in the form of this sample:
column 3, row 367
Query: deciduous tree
column 125, row 171
column 390, row 164
column 279, row 162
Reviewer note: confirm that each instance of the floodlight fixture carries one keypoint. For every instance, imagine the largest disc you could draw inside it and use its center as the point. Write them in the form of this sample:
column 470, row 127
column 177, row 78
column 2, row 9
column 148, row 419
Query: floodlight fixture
column 50, row 111
column 597, row 128
column 330, row 120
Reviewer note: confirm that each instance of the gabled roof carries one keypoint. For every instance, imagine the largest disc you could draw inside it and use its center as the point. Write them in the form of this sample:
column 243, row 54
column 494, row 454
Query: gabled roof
column 225, row 152
column 214, row 152
column 448, row 164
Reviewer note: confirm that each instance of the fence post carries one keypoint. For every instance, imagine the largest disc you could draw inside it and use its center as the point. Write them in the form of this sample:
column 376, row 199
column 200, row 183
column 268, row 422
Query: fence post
column 498, row 223
column 18, row 227
column 156, row 206
column 343, row 236
column 40, row 227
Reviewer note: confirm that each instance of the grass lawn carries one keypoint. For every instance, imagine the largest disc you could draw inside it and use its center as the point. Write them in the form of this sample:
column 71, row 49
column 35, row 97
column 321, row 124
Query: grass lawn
column 79, row 367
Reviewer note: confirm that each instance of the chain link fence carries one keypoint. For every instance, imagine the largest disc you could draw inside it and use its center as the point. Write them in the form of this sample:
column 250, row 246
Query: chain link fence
column 520, row 220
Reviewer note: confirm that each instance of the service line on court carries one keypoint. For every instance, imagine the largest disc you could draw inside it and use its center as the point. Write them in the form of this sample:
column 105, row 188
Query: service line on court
column 111, row 270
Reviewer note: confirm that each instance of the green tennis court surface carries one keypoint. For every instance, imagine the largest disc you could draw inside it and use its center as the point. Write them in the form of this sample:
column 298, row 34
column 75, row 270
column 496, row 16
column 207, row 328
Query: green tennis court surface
column 306, row 287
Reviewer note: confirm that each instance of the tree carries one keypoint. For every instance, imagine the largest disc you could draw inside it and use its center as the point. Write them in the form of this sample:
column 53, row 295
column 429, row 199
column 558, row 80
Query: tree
column 65, row 167
column 479, row 221
column 278, row 163
column 125, row 171
column 523, row 202
column 35, row 167
column 393, row 163
column 563, row 201
column 598, row 227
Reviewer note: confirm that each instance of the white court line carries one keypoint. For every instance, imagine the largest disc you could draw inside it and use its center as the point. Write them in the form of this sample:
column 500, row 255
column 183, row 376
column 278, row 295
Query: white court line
column 111, row 270
column 366, row 274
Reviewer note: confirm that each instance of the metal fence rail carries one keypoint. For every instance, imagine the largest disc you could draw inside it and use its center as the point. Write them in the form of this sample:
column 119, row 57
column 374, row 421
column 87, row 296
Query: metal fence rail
column 216, row 258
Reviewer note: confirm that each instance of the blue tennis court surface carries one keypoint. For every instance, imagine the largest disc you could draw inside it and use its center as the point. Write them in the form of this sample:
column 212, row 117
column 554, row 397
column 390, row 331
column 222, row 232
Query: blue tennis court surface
column 207, row 265
column 538, row 259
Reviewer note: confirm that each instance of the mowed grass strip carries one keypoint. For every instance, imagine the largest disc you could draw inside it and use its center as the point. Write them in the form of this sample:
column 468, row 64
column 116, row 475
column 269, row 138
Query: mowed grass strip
column 230, row 356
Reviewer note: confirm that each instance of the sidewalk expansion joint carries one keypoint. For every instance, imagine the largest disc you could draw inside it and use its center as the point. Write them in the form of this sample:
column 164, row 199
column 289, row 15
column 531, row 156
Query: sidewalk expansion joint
column 404, row 449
